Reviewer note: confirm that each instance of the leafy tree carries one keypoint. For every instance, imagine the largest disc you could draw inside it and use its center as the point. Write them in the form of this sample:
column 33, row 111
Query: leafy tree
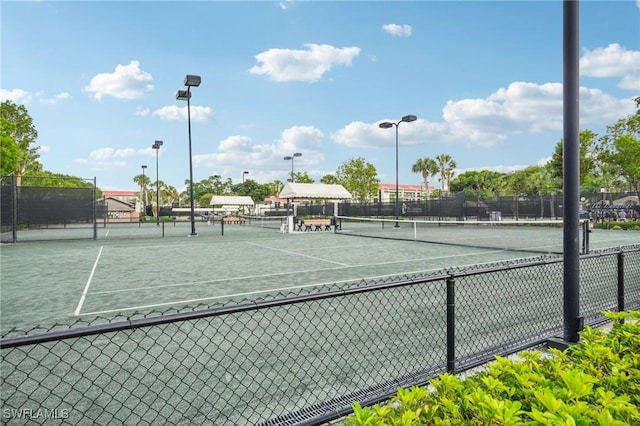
column 329, row 179
column 359, row 178
column 19, row 134
column 9, row 148
column 427, row 167
column 621, row 148
column 205, row 200
column 257, row 192
column 588, row 157
column 446, row 166
column 303, row 177
column 484, row 183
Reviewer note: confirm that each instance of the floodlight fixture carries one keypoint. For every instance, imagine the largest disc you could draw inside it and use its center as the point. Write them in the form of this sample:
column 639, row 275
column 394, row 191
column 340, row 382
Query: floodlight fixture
column 387, row 125
column 156, row 145
column 192, row 80
column 185, row 95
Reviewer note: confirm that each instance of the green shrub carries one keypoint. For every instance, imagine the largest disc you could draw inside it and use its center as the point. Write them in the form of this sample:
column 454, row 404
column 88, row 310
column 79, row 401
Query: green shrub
column 595, row 382
column 631, row 225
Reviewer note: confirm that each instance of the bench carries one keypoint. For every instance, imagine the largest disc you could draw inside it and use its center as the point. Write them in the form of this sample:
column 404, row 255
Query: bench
column 314, row 225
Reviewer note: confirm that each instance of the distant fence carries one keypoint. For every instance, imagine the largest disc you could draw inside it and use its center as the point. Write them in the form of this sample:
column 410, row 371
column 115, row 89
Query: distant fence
column 458, row 206
column 300, row 358
column 30, row 205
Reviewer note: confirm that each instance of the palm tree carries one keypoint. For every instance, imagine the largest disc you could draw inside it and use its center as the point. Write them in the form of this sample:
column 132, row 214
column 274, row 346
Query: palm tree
column 172, row 194
column 142, row 181
column 445, row 164
column 427, row 167
column 275, row 187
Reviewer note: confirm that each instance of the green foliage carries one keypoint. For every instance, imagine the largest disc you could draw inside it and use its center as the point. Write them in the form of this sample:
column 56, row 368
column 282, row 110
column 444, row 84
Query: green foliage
column 18, row 136
column 595, row 382
column 629, row 225
column 359, row 178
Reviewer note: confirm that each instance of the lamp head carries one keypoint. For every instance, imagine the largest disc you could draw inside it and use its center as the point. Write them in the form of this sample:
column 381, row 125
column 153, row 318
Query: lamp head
column 297, row 154
column 183, row 95
column 144, row 166
column 288, row 157
column 192, row 80
column 409, row 118
column 385, row 125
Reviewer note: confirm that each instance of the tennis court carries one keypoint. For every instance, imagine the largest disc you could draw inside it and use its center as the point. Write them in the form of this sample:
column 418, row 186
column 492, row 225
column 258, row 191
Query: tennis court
column 134, row 269
column 363, row 316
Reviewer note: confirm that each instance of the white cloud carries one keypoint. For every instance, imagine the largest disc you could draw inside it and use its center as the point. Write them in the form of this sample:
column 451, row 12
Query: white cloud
column 111, row 153
column 235, row 152
column 57, row 98
column 398, row 30
column 236, row 143
column 173, row 112
column 142, row 111
column 23, row 97
column 285, row 4
column 520, row 108
column 302, row 65
column 17, row 96
column 613, row 61
column 126, row 82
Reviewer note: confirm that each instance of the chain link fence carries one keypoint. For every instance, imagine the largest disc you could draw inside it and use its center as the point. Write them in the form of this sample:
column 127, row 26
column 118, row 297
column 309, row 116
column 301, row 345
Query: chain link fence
column 300, row 358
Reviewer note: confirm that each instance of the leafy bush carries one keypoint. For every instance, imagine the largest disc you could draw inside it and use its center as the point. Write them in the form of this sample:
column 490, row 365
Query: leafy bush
column 595, row 382
column 633, row 225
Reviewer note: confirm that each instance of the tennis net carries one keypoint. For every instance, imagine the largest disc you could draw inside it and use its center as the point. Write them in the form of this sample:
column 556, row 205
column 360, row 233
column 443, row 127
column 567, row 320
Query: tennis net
column 271, row 222
column 539, row 236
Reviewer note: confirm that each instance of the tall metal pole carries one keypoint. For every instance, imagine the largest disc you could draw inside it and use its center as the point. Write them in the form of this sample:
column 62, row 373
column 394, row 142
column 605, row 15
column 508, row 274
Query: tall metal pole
column 397, row 225
column 571, row 175
column 157, row 190
column 142, row 195
column 387, row 125
column 193, row 216
column 292, row 157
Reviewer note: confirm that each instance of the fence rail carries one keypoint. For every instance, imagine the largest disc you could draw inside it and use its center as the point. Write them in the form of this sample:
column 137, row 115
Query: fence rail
column 300, row 358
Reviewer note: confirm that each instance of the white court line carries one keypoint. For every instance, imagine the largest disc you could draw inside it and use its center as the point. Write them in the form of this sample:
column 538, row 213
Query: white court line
column 277, row 274
column 86, row 287
column 299, row 254
column 250, row 293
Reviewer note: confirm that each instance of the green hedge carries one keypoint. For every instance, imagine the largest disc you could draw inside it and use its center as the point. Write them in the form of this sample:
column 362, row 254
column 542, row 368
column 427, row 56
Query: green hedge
column 627, row 225
column 595, row 382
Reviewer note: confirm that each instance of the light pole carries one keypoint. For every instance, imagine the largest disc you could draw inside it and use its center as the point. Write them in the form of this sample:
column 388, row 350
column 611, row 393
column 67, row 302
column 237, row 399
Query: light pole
column 386, row 125
column 243, row 174
column 185, row 95
column 142, row 197
column 156, row 145
column 291, row 157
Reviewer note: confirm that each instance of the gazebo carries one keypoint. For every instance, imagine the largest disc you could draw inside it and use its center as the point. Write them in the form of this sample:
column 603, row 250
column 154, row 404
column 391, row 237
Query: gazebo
column 293, row 191
column 230, row 203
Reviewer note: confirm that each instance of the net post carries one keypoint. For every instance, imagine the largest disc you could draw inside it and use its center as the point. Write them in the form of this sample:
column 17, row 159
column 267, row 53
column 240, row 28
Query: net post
column 95, row 216
column 162, row 229
column 14, row 208
column 222, row 226
column 451, row 325
column 620, row 281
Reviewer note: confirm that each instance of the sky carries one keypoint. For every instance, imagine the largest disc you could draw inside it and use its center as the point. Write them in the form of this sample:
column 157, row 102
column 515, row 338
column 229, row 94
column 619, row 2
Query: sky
column 484, row 78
